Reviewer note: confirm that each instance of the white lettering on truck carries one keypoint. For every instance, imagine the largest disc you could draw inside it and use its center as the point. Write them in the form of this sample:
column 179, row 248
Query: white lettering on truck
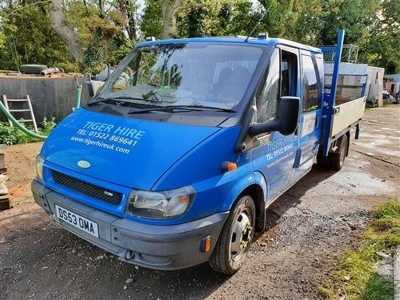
column 104, row 127
column 278, row 148
column 129, row 132
column 104, row 135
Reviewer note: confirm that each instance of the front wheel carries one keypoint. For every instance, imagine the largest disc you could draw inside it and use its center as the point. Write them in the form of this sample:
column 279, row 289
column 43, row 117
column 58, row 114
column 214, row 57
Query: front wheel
column 235, row 239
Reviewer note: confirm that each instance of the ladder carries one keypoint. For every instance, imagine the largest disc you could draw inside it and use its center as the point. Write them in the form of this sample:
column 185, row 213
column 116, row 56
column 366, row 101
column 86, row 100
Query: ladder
column 21, row 110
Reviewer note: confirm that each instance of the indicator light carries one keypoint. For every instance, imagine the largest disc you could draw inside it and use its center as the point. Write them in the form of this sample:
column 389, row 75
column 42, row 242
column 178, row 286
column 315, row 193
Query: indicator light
column 229, row 166
column 205, row 245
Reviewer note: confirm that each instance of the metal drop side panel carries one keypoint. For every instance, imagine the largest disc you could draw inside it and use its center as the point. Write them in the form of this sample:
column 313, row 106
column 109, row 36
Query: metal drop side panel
column 346, row 115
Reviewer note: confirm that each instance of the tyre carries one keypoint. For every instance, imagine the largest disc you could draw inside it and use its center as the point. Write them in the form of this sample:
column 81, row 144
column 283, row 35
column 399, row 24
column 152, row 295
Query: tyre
column 336, row 159
column 32, row 69
column 235, row 238
column 322, row 162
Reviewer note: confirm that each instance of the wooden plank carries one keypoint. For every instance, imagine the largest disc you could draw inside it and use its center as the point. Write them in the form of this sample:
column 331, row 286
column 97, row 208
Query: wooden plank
column 4, row 202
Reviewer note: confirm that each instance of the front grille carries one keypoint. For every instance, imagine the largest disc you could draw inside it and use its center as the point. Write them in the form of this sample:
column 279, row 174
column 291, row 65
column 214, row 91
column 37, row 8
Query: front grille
column 88, row 189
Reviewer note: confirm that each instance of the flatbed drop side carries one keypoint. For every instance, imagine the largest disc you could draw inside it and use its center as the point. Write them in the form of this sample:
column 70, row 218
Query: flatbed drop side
column 347, row 115
column 177, row 156
column 341, row 113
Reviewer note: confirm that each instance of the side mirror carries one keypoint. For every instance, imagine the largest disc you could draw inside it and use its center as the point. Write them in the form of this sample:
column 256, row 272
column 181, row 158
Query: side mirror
column 286, row 118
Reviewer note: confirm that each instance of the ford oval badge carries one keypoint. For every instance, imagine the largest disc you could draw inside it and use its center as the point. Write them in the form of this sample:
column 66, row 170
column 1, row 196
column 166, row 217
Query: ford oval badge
column 84, row 164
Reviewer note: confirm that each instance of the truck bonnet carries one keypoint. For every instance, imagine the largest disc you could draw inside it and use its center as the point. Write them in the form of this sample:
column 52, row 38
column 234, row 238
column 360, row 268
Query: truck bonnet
column 111, row 148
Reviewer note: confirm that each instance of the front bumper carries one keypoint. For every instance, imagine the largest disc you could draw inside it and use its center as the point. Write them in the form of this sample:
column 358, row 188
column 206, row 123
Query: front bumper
column 157, row 247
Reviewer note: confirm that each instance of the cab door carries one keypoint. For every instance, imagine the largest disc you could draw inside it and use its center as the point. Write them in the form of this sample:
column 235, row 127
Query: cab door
column 309, row 127
column 273, row 153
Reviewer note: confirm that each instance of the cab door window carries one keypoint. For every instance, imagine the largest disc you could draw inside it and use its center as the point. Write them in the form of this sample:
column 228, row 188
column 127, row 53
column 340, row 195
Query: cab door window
column 311, row 83
column 281, row 81
column 267, row 102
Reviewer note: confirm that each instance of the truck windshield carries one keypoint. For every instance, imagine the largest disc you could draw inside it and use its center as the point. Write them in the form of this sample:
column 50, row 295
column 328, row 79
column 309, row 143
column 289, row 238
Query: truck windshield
column 183, row 74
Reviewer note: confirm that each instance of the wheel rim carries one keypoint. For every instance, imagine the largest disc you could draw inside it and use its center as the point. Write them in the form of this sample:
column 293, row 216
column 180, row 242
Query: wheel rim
column 242, row 233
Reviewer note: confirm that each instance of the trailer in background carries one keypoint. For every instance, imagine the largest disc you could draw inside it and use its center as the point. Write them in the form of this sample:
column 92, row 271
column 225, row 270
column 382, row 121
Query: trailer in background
column 392, row 86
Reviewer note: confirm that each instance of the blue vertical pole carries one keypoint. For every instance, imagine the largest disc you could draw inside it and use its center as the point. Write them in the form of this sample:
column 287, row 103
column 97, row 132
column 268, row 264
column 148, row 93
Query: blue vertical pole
column 331, row 99
column 336, row 65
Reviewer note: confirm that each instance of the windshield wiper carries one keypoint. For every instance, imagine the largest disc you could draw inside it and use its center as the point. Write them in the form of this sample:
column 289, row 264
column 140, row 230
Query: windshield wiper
column 153, row 96
column 180, row 108
column 116, row 99
column 205, row 107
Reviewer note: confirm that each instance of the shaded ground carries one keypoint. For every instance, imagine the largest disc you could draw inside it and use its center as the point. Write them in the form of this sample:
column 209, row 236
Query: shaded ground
column 309, row 226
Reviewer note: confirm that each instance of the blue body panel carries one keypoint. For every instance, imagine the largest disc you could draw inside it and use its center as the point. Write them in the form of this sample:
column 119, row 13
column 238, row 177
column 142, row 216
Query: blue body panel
column 128, row 152
column 161, row 157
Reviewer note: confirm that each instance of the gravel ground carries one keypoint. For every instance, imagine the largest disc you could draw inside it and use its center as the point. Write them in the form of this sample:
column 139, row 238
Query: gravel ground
column 308, row 228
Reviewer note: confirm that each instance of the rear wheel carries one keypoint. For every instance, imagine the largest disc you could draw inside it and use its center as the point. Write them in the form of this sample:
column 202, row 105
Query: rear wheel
column 235, row 239
column 336, row 160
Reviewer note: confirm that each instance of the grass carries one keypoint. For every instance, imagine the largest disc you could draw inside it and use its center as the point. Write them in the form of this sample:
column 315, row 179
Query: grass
column 355, row 277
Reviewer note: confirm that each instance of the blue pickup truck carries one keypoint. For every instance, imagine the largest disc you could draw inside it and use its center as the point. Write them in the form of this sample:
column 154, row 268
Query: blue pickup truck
column 176, row 157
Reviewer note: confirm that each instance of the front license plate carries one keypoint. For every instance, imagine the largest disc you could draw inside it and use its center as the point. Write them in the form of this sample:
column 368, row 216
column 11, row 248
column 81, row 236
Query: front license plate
column 77, row 221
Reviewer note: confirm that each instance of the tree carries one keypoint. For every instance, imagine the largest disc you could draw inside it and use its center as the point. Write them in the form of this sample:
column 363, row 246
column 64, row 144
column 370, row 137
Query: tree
column 280, row 16
column 80, row 35
column 208, row 18
column 194, row 18
column 152, row 24
column 90, row 33
column 28, row 37
column 244, row 19
column 308, row 24
column 381, row 47
column 66, row 33
column 106, row 30
column 354, row 16
column 169, row 9
column 184, row 18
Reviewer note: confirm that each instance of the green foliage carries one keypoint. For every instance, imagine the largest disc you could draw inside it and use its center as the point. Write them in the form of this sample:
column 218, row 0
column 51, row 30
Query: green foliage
column 356, row 277
column 47, row 126
column 309, row 22
column 152, row 20
column 244, row 25
column 2, row 39
column 381, row 47
column 28, row 37
column 351, row 15
column 108, row 29
column 101, row 33
column 11, row 135
column 191, row 25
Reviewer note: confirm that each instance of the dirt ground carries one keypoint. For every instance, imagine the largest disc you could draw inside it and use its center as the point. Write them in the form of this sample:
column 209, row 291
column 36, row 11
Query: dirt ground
column 309, row 227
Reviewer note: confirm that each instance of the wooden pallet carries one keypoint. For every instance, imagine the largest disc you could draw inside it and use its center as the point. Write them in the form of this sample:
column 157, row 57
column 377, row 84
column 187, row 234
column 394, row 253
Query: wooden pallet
column 4, row 202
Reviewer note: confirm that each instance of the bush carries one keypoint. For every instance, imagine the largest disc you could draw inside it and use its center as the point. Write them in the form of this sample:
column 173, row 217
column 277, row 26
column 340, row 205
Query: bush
column 11, row 135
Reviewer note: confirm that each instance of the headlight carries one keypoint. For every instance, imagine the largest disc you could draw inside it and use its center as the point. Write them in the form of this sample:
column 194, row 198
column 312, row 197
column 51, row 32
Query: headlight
column 39, row 167
column 160, row 205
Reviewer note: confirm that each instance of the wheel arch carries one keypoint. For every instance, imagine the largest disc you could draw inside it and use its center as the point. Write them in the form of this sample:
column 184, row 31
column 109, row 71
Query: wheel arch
column 256, row 192
column 257, row 189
